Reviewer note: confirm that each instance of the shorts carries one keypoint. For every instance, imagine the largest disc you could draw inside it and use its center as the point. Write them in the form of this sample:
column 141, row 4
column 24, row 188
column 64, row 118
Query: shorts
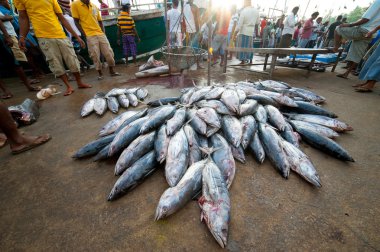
column 59, row 52
column 359, row 42
column 16, row 50
column 129, row 45
column 219, row 43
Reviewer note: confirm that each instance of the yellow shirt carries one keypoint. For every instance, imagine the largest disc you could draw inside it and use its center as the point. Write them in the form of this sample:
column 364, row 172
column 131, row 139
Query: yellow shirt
column 42, row 15
column 89, row 17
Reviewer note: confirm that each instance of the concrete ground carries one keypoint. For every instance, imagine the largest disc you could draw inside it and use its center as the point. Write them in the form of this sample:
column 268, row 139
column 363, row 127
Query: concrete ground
column 50, row 202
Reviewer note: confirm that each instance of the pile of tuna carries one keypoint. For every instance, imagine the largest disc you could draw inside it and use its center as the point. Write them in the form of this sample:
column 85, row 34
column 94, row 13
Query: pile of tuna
column 198, row 136
column 113, row 100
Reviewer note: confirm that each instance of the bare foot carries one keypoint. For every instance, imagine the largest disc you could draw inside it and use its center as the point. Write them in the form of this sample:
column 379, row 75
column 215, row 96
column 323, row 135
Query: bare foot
column 68, row 92
column 82, row 85
column 28, row 143
column 6, row 96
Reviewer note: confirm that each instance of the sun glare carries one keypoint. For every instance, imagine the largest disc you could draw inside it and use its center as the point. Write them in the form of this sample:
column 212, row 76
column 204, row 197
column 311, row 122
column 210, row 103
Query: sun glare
column 225, row 3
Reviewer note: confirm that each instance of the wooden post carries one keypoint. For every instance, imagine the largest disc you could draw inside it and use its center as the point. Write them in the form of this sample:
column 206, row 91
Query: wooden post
column 167, row 34
column 209, row 43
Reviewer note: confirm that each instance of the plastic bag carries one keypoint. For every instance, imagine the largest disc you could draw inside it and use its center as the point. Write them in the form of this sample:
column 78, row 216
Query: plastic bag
column 26, row 113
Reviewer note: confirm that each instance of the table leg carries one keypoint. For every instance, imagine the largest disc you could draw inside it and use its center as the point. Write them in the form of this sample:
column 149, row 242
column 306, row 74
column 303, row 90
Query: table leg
column 312, row 62
column 272, row 65
column 225, row 61
column 337, row 61
column 266, row 61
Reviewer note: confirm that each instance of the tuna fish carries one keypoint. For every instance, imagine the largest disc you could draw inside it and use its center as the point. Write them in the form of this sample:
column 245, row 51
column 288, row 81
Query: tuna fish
column 100, row 106
column 88, row 108
column 257, row 148
column 138, row 148
column 271, row 142
column 291, row 136
column 214, row 93
column 163, row 101
column 248, row 108
column 161, row 144
column 197, row 123
column 185, row 98
column 232, row 129
column 261, row 114
column 276, row 118
column 331, row 123
column 176, row 122
column 249, row 127
column 94, row 147
column 215, row 104
column 123, row 101
column 215, row 203
column 301, row 164
column 199, row 94
column 174, row 198
column 157, row 119
column 309, row 108
column 177, row 159
column 319, row 129
column 238, row 153
column 231, row 99
column 133, row 101
column 141, row 93
column 223, row 158
column 113, row 104
column 131, row 119
column 134, row 176
column 114, row 124
column 210, row 116
column 192, row 138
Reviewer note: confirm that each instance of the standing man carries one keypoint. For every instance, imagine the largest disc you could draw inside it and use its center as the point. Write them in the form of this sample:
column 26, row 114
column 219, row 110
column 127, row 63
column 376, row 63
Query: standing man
column 89, row 22
column 191, row 21
column 357, row 33
column 262, row 26
column 46, row 18
column 316, row 32
column 329, row 42
column 219, row 42
column 129, row 33
column 307, row 30
column 248, row 22
column 289, row 28
column 175, row 25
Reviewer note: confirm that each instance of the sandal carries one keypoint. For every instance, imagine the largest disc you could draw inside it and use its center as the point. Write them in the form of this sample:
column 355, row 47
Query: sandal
column 115, row 74
column 35, row 89
column 34, row 81
column 357, row 85
column 6, row 96
column 363, row 90
column 68, row 92
column 39, row 141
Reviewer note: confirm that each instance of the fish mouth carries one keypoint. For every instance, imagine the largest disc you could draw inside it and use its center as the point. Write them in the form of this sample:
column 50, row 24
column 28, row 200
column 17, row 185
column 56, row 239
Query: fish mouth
column 220, row 239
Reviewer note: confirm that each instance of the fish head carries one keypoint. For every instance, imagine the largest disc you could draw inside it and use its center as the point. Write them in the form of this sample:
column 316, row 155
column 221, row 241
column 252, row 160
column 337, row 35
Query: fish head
column 219, row 229
column 114, row 194
column 166, row 205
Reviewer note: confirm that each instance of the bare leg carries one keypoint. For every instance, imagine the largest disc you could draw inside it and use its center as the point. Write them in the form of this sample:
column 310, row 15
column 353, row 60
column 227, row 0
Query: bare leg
column 366, row 87
column 337, row 41
column 69, row 89
column 21, row 74
column 80, row 82
column 348, row 71
column 17, row 142
column 7, row 93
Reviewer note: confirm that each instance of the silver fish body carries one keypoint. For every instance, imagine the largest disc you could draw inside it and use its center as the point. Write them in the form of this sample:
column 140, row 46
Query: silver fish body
column 133, row 101
column 197, row 123
column 100, row 106
column 176, row 122
column 141, row 93
column 319, row 129
column 275, row 117
column 215, row 203
column 157, row 119
column 331, row 123
column 249, row 127
column 174, row 198
column 231, row 99
column 232, row 129
column 177, row 158
column 114, row 124
column 88, row 108
column 123, row 101
column 139, row 147
column 195, row 153
column 214, row 93
column 161, row 144
column 257, row 148
column 215, row 104
column 248, row 108
column 223, row 158
column 113, row 104
column 261, row 114
column 210, row 116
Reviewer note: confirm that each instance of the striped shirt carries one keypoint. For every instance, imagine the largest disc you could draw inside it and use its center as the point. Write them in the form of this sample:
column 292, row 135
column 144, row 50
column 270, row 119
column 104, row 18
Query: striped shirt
column 126, row 23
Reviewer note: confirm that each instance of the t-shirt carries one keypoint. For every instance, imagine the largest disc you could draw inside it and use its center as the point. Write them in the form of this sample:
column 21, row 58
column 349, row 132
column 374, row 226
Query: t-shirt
column 296, row 34
column 263, row 24
column 174, row 16
column 234, row 20
column 104, row 12
column 189, row 19
column 331, row 29
column 89, row 17
column 307, row 29
column 223, row 22
column 289, row 24
column 316, row 31
column 249, row 17
column 126, row 23
column 8, row 26
column 42, row 15
column 373, row 14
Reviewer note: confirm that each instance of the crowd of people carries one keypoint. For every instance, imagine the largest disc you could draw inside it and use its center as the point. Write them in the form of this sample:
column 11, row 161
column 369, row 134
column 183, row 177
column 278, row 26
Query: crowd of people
column 58, row 26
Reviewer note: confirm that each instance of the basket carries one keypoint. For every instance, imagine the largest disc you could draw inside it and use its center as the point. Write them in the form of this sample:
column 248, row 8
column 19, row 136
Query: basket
column 182, row 57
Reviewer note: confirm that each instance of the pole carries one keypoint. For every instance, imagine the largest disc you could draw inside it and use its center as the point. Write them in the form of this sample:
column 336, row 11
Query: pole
column 275, row 6
column 307, row 6
column 209, row 43
column 167, row 34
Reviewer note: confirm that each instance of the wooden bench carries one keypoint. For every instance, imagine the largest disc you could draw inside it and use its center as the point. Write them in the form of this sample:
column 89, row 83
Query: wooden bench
column 276, row 52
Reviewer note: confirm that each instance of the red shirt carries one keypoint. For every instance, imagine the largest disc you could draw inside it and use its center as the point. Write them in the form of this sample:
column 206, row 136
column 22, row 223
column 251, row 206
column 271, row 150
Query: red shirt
column 104, row 12
column 223, row 23
column 296, row 34
column 307, row 29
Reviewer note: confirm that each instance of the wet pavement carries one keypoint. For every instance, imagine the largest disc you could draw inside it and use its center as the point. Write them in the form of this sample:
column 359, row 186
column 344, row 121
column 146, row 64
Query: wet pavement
column 50, row 202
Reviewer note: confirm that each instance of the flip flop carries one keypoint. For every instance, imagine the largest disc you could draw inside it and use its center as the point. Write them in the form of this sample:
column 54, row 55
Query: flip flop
column 341, row 76
column 101, row 77
column 42, row 139
column 34, row 81
column 69, row 92
column 363, row 90
column 357, row 85
column 6, row 96
column 115, row 74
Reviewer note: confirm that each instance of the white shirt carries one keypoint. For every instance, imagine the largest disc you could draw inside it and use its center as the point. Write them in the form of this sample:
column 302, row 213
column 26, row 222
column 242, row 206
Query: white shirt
column 234, row 20
column 70, row 20
column 174, row 17
column 8, row 26
column 204, row 30
column 249, row 17
column 373, row 14
column 289, row 24
column 189, row 19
